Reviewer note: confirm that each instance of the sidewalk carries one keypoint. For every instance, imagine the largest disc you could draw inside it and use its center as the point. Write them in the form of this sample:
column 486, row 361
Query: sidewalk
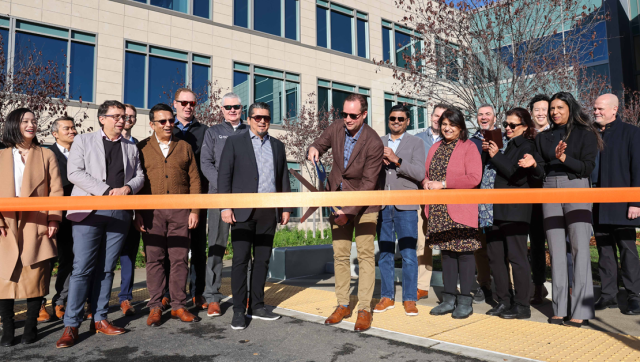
column 610, row 337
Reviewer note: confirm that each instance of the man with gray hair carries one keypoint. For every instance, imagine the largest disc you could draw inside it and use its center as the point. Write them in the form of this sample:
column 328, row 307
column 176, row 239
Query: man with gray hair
column 214, row 140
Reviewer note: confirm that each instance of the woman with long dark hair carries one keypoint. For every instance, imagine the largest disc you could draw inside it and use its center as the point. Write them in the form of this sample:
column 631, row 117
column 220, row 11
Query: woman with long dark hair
column 26, row 238
column 568, row 155
column 454, row 163
column 507, row 240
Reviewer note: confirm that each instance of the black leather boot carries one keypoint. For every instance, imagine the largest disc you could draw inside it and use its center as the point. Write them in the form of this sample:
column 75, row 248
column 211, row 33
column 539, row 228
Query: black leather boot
column 30, row 333
column 8, row 326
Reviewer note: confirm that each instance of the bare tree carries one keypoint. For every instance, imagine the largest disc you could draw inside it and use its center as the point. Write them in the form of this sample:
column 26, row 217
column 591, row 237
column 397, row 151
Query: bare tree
column 631, row 106
column 498, row 52
column 301, row 130
column 38, row 85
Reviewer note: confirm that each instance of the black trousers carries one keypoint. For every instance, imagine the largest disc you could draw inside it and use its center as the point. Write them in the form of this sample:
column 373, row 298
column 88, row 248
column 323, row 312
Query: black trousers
column 507, row 244
column 458, row 264
column 65, row 262
column 537, row 239
column 257, row 232
column 198, row 269
column 608, row 238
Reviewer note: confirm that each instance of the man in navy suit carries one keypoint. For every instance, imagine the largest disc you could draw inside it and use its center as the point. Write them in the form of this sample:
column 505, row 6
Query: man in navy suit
column 262, row 171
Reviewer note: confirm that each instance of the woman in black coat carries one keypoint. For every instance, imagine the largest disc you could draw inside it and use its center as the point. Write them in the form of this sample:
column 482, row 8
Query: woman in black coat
column 568, row 156
column 507, row 241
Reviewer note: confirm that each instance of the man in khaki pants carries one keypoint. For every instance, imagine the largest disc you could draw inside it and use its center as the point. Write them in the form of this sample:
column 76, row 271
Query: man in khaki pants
column 357, row 160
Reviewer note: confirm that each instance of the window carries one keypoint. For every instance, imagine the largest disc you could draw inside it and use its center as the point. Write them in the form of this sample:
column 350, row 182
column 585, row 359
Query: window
column 447, row 61
column 152, row 74
column 295, row 186
column 342, row 29
column 280, row 90
column 275, row 17
column 73, row 51
column 398, row 41
column 418, row 110
column 332, row 94
column 201, row 8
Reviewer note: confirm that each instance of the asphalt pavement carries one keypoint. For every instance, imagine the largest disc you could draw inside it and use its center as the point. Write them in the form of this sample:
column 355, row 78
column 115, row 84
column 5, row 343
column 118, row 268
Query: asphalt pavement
column 212, row 339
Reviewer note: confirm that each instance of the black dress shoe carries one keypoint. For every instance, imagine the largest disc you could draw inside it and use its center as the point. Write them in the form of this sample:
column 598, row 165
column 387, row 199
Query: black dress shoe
column 517, row 312
column 603, row 304
column 633, row 307
column 498, row 309
column 238, row 321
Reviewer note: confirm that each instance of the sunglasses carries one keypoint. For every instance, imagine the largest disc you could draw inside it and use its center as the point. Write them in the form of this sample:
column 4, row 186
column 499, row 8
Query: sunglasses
column 393, row 119
column 236, row 107
column 350, row 115
column 511, row 125
column 164, row 121
column 186, row 103
column 259, row 119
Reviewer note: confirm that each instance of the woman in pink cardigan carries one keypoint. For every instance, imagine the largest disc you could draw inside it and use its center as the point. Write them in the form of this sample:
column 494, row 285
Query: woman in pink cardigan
column 454, row 163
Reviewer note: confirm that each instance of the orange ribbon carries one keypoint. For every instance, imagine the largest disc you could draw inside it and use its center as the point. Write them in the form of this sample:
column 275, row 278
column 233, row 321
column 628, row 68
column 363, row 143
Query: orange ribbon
column 309, row 199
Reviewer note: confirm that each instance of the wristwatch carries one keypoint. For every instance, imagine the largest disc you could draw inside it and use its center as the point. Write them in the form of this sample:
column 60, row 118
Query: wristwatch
column 399, row 162
column 444, row 184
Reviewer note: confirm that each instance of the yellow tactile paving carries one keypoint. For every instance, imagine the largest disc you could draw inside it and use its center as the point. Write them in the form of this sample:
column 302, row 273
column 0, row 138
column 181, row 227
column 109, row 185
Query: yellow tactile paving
column 527, row 339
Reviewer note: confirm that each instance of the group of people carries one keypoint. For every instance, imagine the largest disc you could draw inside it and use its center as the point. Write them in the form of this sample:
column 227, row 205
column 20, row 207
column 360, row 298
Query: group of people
column 553, row 144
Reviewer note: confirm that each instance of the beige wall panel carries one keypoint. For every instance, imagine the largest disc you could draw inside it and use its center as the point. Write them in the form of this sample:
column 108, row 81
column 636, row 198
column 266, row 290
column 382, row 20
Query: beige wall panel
column 112, row 7
column 135, row 35
column 160, row 40
column 159, row 28
column 85, row 24
column 136, row 12
column 26, row 12
column 56, row 18
column 110, row 64
column 182, row 23
column 57, row 6
column 107, row 22
column 202, row 28
column 94, row 4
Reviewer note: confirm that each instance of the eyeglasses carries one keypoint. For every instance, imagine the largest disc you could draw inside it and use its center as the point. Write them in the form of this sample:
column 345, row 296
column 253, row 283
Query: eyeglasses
column 511, row 125
column 236, row 107
column 393, row 119
column 131, row 118
column 164, row 121
column 267, row 119
column 187, row 103
column 350, row 115
column 116, row 117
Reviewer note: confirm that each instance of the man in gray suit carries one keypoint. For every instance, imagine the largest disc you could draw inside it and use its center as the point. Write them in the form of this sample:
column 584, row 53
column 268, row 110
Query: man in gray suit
column 425, row 257
column 404, row 169
column 100, row 163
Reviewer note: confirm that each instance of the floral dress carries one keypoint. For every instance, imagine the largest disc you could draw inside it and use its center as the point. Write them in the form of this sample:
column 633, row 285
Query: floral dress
column 443, row 232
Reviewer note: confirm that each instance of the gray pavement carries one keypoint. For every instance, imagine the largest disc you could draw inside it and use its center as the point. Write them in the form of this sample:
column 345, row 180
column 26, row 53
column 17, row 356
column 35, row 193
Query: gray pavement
column 287, row 339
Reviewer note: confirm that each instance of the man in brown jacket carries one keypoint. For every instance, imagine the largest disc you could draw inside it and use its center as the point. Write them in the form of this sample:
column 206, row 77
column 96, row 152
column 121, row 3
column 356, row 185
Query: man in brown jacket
column 357, row 160
column 170, row 167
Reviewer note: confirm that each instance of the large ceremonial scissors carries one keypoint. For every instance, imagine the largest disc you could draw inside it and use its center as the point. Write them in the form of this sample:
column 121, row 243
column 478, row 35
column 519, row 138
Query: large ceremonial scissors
column 322, row 176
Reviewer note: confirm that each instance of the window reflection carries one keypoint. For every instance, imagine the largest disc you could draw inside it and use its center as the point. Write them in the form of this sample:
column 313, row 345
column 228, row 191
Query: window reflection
column 267, row 16
column 341, row 34
column 165, row 77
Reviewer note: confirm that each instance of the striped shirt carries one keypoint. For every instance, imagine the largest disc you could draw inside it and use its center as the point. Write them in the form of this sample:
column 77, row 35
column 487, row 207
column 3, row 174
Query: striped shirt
column 264, row 159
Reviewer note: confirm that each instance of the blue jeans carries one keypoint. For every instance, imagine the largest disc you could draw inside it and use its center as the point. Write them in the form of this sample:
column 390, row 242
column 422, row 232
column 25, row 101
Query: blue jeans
column 97, row 243
column 404, row 224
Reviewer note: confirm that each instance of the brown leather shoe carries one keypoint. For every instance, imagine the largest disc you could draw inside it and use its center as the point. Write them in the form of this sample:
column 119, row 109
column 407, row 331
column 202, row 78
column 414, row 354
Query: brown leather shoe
column 154, row 317
column 410, row 308
column 200, row 302
column 184, row 315
column 44, row 316
column 166, row 303
column 338, row 315
column 363, row 323
column 105, row 326
column 127, row 309
column 60, row 311
column 213, row 310
column 384, row 305
column 69, row 337
column 423, row 294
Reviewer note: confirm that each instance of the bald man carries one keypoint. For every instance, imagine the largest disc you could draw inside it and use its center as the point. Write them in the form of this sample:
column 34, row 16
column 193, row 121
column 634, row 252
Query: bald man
column 617, row 165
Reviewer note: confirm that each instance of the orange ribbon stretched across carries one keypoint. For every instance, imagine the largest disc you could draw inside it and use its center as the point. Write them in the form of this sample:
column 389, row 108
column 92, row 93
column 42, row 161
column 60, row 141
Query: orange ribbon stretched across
column 309, row 199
